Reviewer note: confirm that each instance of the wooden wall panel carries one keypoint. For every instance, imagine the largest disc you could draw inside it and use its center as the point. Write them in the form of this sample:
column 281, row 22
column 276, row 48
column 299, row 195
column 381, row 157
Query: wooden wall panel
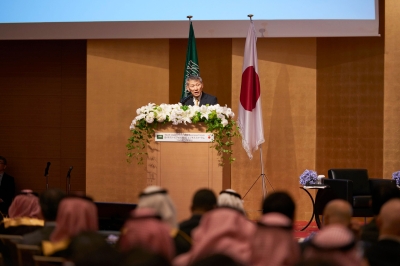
column 122, row 76
column 350, row 104
column 43, row 99
column 287, row 78
column 391, row 144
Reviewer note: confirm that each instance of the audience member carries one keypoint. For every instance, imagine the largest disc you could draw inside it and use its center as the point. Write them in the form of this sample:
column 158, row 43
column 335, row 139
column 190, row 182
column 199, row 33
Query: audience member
column 224, row 230
column 157, row 198
column 203, row 201
column 25, row 215
column 387, row 250
column 75, row 215
column 338, row 211
column 230, row 198
column 380, row 195
column 145, row 230
column 49, row 201
column 279, row 202
column 335, row 243
column 91, row 249
column 7, row 187
column 273, row 242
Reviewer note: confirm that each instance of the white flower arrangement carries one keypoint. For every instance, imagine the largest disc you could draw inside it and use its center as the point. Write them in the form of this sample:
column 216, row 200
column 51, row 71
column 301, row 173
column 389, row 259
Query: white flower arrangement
column 218, row 120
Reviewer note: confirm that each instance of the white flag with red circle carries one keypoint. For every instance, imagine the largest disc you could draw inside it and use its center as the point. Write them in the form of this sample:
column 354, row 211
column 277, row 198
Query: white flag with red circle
column 250, row 113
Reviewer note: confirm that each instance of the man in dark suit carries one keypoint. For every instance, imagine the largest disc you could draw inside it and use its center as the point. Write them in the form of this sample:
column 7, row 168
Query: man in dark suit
column 194, row 84
column 386, row 251
column 203, row 201
column 7, row 187
column 381, row 193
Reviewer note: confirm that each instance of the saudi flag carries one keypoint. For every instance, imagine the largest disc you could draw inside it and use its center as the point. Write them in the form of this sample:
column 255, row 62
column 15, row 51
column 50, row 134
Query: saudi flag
column 192, row 63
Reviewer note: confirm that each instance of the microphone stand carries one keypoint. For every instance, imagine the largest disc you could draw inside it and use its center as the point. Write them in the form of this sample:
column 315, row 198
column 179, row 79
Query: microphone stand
column 69, row 179
column 183, row 100
column 46, row 174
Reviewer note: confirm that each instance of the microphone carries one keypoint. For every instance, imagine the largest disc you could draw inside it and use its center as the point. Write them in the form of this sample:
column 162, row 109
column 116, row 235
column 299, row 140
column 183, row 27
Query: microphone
column 46, row 171
column 69, row 171
column 183, row 100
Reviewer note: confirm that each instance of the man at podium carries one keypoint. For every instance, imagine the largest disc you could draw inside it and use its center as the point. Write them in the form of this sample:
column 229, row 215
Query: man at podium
column 194, row 85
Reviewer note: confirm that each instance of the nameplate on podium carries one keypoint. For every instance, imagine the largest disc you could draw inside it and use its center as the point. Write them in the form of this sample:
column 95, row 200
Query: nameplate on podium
column 184, row 137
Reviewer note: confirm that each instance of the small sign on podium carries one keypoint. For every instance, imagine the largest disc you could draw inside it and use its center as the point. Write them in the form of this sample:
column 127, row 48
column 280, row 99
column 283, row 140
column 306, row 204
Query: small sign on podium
column 184, row 137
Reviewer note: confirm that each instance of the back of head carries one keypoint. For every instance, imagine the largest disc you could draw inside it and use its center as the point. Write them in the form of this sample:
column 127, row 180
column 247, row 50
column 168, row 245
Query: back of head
column 85, row 244
column 204, row 200
column 335, row 243
column 225, row 231
column 25, row 205
column 274, row 243
column 230, row 198
column 389, row 218
column 75, row 215
column 382, row 193
column 279, row 202
column 49, row 201
column 338, row 211
column 144, row 229
column 157, row 198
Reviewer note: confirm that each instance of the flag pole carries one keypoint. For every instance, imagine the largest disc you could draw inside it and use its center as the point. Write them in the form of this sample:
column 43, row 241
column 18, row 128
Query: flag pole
column 264, row 190
column 190, row 18
column 261, row 156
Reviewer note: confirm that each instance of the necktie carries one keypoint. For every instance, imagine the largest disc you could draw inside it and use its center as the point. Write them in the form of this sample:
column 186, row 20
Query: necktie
column 196, row 102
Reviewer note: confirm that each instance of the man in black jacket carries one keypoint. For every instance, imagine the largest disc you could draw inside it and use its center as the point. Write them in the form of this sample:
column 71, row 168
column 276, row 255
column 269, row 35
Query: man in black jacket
column 194, row 84
column 386, row 251
column 7, row 187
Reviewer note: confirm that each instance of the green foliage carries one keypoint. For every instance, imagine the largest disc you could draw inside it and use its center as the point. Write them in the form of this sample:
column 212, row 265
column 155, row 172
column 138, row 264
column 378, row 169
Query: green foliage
column 222, row 126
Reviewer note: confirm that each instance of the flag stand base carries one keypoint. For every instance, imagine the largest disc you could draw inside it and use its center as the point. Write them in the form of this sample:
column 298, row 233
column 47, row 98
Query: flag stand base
column 263, row 178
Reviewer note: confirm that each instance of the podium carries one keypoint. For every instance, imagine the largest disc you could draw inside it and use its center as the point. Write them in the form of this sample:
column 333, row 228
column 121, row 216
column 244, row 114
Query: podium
column 184, row 167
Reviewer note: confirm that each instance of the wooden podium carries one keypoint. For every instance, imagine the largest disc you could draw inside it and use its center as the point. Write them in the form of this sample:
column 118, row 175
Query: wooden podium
column 184, row 167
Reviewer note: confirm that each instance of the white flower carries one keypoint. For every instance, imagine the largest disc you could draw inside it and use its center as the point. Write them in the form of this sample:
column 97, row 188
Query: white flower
column 220, row 116
column 186, row 117
column 204, row 111
column 224, row 122
column 132, row 126
column 140, row 117
column 161, row 116
column 150, row 117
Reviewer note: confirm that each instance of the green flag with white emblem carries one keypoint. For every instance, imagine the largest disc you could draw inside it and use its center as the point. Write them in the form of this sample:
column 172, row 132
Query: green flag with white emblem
column 192, row 63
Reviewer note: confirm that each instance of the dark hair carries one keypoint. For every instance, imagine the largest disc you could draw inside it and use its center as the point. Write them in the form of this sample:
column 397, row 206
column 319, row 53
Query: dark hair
column 49, row 201
column 204, row 199
column 280, row 202
column 3, row 159
column 193, row 77
column 381, row 193
column 91, row 248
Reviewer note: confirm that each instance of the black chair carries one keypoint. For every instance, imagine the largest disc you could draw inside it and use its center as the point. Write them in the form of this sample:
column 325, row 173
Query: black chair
column 352, row 185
